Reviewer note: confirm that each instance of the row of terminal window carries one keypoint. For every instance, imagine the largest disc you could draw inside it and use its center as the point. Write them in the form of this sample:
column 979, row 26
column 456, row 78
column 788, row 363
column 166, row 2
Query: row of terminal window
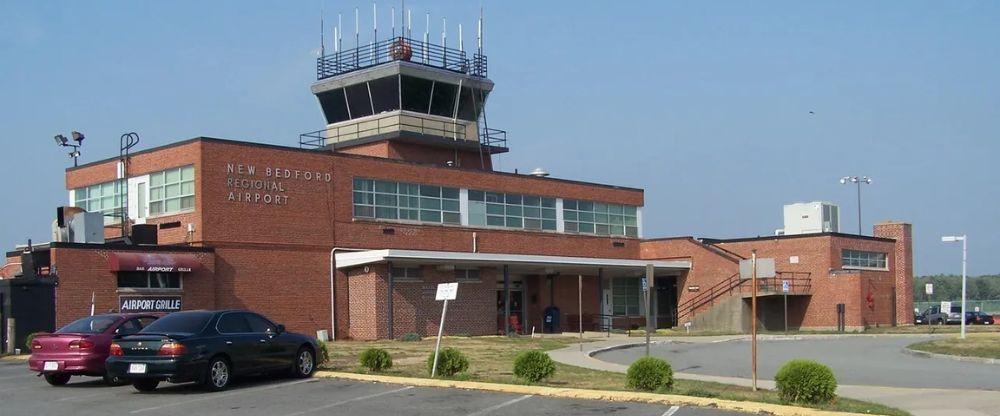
column 436, row 204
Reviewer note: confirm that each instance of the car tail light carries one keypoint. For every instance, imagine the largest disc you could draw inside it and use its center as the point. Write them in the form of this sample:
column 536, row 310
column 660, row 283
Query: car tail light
column 173, row 349
column 116, row 350
column 35, row 345
column 80, row 344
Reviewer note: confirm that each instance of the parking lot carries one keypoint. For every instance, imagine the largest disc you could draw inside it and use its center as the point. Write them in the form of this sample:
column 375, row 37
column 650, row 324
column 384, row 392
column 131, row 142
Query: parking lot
column 24, row 394
column 859, row 360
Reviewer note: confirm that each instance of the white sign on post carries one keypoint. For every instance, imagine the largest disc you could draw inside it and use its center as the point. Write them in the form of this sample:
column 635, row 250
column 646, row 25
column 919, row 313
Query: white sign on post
column 765, row 268
column 784, row 286
column 446, row 291
column 929, row 288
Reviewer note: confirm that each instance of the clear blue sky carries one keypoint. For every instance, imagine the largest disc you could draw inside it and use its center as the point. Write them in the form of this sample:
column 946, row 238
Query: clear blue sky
column 705, row 105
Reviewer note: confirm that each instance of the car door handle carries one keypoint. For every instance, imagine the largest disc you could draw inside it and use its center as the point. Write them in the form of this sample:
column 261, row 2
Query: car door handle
column 263, row 340
column 229, row 343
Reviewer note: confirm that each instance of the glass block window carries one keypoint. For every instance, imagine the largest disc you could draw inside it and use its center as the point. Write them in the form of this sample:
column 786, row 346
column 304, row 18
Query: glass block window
column 171, row 190
column 587, row 217
column 103, row 197
column 625, row 296
column 406, row 201
column 467, row 275
column 498, row 209
column 863, row 259
column 406, row 273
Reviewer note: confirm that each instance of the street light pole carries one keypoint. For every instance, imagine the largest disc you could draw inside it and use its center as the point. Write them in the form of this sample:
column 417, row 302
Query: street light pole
column 857, row 180
column 963, row 239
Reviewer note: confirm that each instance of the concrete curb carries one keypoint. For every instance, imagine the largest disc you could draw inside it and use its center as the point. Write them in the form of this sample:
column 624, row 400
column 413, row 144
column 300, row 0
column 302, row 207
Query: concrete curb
column 925, row 354
column 583, row 394
column 15, row 358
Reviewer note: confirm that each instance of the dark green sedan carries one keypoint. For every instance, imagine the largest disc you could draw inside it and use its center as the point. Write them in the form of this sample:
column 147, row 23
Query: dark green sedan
column 210, row 348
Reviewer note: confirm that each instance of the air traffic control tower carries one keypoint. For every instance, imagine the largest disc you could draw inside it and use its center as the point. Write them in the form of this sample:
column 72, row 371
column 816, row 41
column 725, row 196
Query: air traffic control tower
column 407, row 99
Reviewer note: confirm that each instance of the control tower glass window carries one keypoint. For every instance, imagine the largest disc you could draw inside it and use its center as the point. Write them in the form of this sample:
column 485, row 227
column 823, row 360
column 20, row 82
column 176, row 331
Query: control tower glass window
column 416, row 94
column 385, row 94
column 359, row 100
column 443, row 99
column 334, row 104
column 470, row 103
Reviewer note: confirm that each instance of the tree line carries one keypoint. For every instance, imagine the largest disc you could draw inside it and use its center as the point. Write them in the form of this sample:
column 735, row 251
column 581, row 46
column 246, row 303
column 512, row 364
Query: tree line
column 949, row 287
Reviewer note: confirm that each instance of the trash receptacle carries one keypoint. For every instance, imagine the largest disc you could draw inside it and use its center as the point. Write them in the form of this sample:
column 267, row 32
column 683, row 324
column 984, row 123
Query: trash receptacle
column 551, row 324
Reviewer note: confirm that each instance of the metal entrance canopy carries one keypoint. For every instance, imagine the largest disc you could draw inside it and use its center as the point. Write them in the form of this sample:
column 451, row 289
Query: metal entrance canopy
column 517, row 263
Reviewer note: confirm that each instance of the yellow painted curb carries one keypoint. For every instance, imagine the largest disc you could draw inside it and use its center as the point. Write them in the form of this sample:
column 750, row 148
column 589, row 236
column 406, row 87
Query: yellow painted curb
column 22, row 357
column 614, row 396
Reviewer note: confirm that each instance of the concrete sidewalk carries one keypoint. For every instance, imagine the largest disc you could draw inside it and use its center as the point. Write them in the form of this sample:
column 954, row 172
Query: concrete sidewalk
column 919, row 402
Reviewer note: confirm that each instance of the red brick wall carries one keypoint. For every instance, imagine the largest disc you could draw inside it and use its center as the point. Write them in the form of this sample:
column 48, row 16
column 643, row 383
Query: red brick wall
column 288, row 284
column 368, row 304
column 83, row 271
column 708, row 267
column 902, row 266
column 11, row 267
column 144, row 163
column 818, row 257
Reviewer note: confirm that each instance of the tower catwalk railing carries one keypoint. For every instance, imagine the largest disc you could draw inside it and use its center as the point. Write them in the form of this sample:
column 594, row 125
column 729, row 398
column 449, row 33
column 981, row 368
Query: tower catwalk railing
column 400, row 49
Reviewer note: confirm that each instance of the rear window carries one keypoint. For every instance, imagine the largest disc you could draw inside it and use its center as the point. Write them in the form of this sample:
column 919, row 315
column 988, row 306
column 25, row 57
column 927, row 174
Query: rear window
column 186, row 322
column 89, row 325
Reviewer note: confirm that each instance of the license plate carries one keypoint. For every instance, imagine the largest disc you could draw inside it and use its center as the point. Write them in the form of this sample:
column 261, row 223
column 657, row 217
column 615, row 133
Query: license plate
column 138, row 368
column 50, row 366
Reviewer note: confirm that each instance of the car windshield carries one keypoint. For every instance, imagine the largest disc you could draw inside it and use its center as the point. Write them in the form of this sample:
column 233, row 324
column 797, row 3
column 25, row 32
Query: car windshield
column 89, row 325
column 179, row 322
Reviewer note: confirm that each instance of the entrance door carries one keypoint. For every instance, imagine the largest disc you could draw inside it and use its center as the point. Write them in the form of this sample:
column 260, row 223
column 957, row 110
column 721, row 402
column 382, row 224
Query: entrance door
column 666, row 302
column 516, row 311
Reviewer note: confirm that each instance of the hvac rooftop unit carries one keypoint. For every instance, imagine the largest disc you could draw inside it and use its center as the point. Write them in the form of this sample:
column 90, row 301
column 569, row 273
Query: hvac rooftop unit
column 811, row 217
column 86, row 227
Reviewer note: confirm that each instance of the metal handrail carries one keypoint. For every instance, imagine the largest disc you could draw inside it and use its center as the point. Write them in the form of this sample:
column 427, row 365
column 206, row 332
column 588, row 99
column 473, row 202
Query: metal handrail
column 724, row 286
column 318, row 138
column 400, row 49
column 799, row 283
column 399, row 121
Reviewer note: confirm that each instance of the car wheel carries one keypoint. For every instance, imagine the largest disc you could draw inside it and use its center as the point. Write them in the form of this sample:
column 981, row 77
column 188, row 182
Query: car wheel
column 305, row 363
column 146, row 384
column 114, row 381
column 57, row 379
column 218, row 374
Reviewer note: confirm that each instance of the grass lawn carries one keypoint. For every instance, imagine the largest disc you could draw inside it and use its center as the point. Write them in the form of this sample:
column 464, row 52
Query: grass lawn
column 983, row 345
column 491, row 359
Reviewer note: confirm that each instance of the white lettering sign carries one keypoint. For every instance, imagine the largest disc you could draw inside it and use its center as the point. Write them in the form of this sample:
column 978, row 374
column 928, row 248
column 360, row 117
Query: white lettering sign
column 149, row 303
column 446, row 291
column 268, row 189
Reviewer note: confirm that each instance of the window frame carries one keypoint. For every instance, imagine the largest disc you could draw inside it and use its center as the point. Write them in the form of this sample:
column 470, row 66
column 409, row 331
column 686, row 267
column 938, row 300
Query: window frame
column 149, row 280
column 158, row 205
column 851, row 259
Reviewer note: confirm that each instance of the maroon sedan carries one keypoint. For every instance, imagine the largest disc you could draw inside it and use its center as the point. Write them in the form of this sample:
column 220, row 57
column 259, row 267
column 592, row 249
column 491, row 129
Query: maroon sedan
column 80, row 348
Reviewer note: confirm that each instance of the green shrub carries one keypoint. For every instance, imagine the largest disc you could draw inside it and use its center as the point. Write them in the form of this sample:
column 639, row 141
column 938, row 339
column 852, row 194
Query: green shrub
column 411, row 337
column 534, row 366
column 324, row 353
column 376, row 359
column 31, row 337
column 650, row 374
column 450, row 362
column 806, row 381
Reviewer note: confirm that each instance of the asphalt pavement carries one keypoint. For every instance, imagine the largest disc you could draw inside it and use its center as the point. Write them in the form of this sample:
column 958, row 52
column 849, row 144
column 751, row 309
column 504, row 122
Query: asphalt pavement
column 868, row 367
column 21, row 393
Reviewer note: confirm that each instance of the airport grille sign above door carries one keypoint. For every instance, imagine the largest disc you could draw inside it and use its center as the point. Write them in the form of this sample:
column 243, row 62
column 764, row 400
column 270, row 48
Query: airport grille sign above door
column 128, row 304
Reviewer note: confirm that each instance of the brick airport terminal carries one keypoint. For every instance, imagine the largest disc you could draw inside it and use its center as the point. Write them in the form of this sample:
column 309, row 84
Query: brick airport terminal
column 348, row 232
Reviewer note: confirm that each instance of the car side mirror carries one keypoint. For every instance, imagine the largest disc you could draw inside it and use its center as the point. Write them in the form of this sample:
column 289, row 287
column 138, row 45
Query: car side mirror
column 280, row 329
